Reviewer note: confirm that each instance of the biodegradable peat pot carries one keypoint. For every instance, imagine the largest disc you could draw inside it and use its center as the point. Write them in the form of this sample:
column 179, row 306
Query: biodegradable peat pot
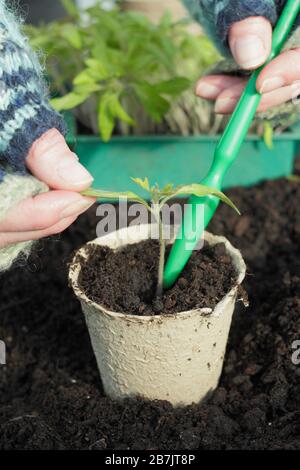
column 176, row 357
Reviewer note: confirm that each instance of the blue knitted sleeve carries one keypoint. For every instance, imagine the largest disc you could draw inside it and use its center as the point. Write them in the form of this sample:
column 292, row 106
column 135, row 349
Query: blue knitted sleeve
column 216, row 16
column 25, row 112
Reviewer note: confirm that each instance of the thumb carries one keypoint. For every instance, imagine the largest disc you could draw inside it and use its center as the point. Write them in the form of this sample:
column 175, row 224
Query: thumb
column 51, row 161
column 250, row 41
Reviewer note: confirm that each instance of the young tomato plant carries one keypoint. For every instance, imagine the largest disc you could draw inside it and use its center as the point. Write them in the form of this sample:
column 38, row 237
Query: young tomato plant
column 158, row 198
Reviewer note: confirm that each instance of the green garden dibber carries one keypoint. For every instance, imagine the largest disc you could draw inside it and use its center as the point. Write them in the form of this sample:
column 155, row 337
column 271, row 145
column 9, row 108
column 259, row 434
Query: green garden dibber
column 226, row 152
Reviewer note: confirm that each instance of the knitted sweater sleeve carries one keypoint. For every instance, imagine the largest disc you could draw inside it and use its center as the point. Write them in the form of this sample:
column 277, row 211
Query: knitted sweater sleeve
column 216, row 16
column 25, row 115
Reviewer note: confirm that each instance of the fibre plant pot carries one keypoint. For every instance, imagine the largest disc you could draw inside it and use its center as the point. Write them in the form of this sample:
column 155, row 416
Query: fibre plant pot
column 175, row 357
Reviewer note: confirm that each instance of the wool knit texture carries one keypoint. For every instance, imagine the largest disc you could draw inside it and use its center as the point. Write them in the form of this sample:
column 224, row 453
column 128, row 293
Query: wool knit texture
column 25, row 115
column 216, row 16
column 13, row 190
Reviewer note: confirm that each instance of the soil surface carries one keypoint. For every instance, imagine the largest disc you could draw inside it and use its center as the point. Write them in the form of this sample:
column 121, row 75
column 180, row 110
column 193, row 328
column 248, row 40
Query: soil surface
column 125, row 281
column 50, row 391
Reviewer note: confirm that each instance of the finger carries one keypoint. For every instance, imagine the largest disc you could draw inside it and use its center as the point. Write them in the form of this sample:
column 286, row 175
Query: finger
column 51, row 161
column 277, row 97
column 228, row 99
column 44, row 210
column 281, row 72
column 211, row 86
column 250, row 41
column 18, row 237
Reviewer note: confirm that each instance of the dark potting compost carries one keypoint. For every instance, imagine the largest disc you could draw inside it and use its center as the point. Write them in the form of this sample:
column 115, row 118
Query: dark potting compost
column 50, row 391
column 125, row 280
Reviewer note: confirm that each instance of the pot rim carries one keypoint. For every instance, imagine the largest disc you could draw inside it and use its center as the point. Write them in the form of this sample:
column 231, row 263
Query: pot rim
column 238, row 261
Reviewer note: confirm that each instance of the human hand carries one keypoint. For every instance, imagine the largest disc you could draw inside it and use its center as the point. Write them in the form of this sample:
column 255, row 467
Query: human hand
column 51, row 161
column 250, row 42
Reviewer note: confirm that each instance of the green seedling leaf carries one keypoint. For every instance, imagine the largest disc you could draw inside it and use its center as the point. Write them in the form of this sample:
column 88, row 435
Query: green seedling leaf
column 97, row 69
column 166, row 20
column 160, row 55
column 142, row 183
column 172, row 87
column 71, row 33
column 268, row 135
column 155, row 105
column 87, row 89
column 106, row 120
column 119, row 111
column 102, row 194
column 70, row 7
column 109, row 109
column 168, row 189
column 111, row 58
column 84, row 77
column 201, row 191
column 93, row 74
column 138, row 19
column 69, row 101
column 39, row 41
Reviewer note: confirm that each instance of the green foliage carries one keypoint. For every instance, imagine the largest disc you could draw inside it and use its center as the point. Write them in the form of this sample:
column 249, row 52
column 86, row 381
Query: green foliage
column 268, row 135
column 70, row 7
column 113, row 57
column 160, row 196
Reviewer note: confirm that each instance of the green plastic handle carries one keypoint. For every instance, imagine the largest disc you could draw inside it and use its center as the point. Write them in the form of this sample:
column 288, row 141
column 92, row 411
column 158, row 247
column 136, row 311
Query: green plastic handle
column 194, row 222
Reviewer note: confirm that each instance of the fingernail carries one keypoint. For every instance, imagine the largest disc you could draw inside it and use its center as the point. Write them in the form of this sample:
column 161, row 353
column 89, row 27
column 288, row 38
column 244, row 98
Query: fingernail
column 74, row 174
column 206, row 90
column 271, row 84
column 249, row 51
column 224, row 105
column 76, row 208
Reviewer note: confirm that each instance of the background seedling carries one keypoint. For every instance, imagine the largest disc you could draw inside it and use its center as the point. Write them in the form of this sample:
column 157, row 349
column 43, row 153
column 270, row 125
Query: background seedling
column 121, row 74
